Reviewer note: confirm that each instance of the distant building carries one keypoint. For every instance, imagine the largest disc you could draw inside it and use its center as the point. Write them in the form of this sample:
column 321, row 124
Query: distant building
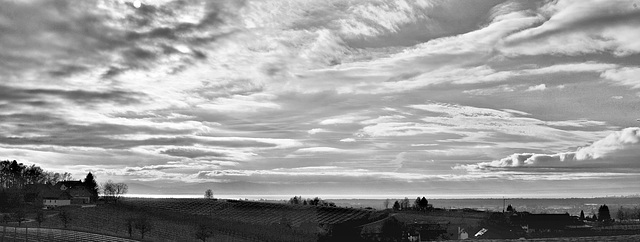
column 543, row 223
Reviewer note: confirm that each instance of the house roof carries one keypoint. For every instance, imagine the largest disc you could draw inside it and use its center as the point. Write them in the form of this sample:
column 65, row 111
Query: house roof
column 545, row 220
column 55, row 194
column 79, row 192
column 69, row 184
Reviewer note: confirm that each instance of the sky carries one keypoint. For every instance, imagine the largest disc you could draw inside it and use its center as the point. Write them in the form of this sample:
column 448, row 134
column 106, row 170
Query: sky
column 369, row 98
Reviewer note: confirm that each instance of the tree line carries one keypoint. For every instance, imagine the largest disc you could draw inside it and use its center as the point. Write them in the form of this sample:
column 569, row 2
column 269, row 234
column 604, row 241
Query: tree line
column 298, row 200
column 17, row 175
column 420, row 204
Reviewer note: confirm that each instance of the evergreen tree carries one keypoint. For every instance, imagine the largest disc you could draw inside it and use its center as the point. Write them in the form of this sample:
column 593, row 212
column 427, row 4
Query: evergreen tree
column 424, row 203
column 581, row 215
column 510, row 208
column 91, row 185
column 603, row 213
column 396, row 205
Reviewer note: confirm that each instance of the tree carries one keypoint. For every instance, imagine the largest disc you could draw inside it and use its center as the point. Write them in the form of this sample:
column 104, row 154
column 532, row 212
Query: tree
column 208, row 194
column 91, row 185
column 19, row 216
column 40, row 218
column 416, row 204
column 295, row 200
column 620, row 214
column 65, row 217
column 114, row 191
column 396, row 205
column 406, row 203
column 510, row 209
column 66, row 176
column 603, row 213
column 129, row 223
column 386, row 203
column 581, row 215
column 6, row 218
column 143, row 225
column 203, row 232
column 424, row 203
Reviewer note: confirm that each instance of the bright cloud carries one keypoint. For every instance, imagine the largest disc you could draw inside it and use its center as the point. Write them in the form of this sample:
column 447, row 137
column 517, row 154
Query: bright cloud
column 611, row 152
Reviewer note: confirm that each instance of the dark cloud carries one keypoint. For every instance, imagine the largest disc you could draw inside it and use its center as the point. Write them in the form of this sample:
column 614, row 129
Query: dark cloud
column 50, row 36
column 213, row 90
column 583, row 23
column 39, row 96
column 67, row 70
column 192, row 153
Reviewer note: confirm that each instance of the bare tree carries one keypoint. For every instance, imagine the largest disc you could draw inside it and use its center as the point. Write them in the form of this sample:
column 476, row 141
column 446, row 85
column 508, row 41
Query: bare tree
column 66, row 176
column 65, row 217
column 19, row 215
column 203, row 232
column 129, row 223
column 114, row 191
column 208, row 194
column 143, row 225
column 6, row 218
column 40, row 218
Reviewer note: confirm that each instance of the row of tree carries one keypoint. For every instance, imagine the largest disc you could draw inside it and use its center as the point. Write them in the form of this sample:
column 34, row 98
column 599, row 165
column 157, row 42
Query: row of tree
column 420, row 204
column 17, row 175
column 604, row 215
column 298, row 200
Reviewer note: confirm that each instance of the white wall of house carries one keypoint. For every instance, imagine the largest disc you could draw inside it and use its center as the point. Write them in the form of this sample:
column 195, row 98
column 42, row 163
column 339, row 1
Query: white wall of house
column 56, row 202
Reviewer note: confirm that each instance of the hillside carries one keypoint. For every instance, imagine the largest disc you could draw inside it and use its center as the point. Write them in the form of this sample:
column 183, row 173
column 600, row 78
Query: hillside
column 253, row 212
column 227, row 220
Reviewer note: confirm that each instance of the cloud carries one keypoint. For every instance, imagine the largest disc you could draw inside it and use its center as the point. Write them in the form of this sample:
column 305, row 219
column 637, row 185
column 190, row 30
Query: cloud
column 193, row 152
column 342, row 119
column 50, row 37
column 321, row 150
column 288, row 91
column 540, row 87
column 580, row 27
column 619, row 150
column 82, row 97
column 626, row 76
column 316, row 130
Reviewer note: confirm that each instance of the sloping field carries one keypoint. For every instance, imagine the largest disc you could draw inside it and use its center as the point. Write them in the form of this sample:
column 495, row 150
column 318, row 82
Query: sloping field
column 253, row 212
column 53, row 235
column 111, row 220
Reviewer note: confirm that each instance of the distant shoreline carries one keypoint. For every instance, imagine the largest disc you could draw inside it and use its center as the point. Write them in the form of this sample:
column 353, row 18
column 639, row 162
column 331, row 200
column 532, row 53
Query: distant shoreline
column 360, row 197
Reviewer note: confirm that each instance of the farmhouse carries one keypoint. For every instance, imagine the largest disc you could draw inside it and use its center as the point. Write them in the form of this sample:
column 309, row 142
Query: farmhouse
column 62, row 194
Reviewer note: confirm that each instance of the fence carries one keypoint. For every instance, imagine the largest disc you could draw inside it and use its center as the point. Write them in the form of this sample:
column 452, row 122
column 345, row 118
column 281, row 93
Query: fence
column 11, row 234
